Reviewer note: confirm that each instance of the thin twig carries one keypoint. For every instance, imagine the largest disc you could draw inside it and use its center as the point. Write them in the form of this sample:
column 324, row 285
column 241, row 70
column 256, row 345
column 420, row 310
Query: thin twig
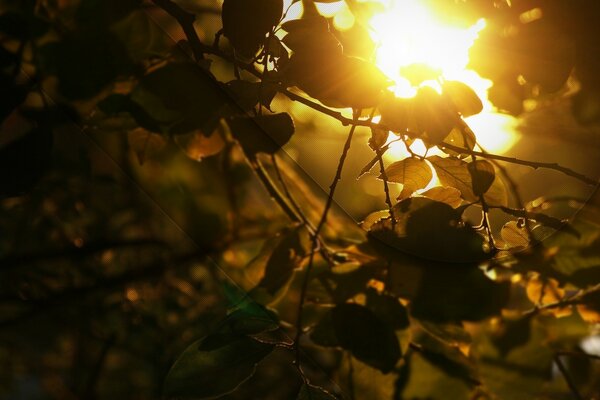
column 567, row 377
column 186, row 21
column 315, row 241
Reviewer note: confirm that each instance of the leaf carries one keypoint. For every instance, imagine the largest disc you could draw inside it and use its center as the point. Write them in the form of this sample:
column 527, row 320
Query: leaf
column 463, row 138
column 544, row 219
column 482, row 175
column 214, row 366
column 310, row 37
column 515, row 234
column 198, row 146
column 388, row 309
column 311, row 392
column 145, row 144
column 512, row 333
column 444, row 194
column 378, row 138
column 452, row 334
column 337, row 80
column 547, row 291
column 450, row 360
column 284, row 259
column 181, row 97
column 366, row 336
column 412, row 173
column 464, row 98
column 396, row 114
column 418, row 73
column 263, row 133
column 245, row 27
column 252, row 320
column 455, row 173
column 101, row 59
column 589, row 309
column 447, row 238
column 451, row 295
column 249, row 94
column 434, row 119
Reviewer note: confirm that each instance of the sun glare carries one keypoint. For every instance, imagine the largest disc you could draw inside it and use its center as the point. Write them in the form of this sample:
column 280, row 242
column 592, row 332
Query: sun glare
column 412, row 40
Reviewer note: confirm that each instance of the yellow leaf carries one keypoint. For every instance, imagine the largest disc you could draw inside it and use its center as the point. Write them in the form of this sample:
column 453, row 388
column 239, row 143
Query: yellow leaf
column 197, row 146
column 444, row 194
column 412, row 173
column 465, row 99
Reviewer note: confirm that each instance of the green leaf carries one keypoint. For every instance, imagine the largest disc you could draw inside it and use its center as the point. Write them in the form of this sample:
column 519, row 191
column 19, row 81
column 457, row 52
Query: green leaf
column 412, row 173
column 310, row 392
column 482, row 175
column 214, row 366
column 263, row 133
column 368, row 338
column 464, row 98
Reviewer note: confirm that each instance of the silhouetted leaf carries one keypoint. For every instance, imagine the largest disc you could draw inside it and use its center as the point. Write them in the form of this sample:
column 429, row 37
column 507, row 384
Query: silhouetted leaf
column 448, row 239
column 366, row 336
column 449, row 294
column 181, row 98
column 246, row 24
column 249, row 94
column 337, row 80
column 450, row 360
column 85, row 62
column 284, row 259
column 512, row 333
column 388, row 309
column 214, row 366
column 543, row 219
column 482, row 175
column 464, row 98
column 263, row 133
column 412, row 173
column 310, row 392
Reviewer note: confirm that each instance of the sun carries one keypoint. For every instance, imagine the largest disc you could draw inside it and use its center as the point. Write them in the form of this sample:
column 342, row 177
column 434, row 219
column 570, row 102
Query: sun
column 411, row 39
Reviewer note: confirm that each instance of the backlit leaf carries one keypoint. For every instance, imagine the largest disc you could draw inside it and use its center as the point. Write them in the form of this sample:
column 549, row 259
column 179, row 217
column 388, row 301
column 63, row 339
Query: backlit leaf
column 412, row 173
column 444, row 194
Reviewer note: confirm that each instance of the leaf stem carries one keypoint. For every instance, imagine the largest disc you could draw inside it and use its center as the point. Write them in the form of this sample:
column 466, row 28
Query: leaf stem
column 315, row 239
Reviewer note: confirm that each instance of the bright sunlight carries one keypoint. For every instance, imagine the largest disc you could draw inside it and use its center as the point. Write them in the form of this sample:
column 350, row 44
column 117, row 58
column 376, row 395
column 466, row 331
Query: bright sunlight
column 411, row 41
column 408, row 35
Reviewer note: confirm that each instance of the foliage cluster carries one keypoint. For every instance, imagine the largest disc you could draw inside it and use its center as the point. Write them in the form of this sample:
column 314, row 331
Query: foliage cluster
column 419, row 303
